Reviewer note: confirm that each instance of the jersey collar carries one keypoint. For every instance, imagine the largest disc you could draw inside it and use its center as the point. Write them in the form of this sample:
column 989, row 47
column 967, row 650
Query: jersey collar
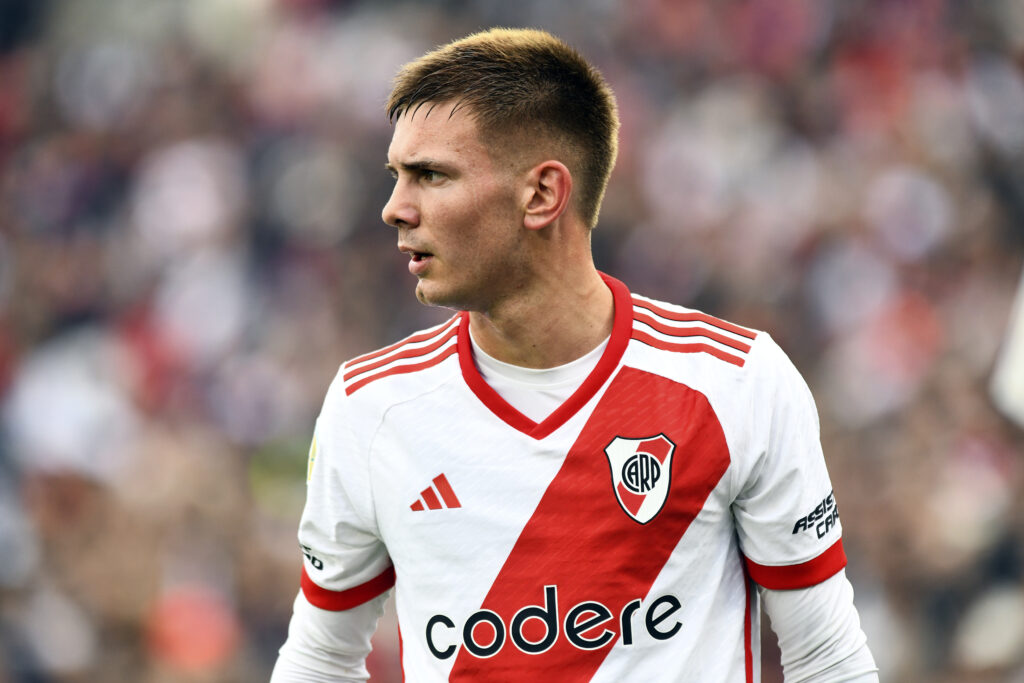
column 622, row 327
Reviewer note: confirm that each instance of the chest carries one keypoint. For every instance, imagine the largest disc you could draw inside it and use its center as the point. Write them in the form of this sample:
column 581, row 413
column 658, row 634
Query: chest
column 610, row 494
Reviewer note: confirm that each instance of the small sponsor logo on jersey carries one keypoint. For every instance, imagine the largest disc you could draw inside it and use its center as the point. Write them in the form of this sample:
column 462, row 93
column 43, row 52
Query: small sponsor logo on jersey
column 823, row 518
column 641, row 474
column 534, row 629
column 311, row 460
column 438, row 496
column 313, row 559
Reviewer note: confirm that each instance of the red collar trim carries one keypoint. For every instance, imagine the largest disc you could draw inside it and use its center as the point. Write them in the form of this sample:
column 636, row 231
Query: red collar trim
column 622, row 328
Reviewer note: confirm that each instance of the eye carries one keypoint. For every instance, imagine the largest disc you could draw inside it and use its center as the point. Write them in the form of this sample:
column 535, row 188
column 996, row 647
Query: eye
column 430, row 175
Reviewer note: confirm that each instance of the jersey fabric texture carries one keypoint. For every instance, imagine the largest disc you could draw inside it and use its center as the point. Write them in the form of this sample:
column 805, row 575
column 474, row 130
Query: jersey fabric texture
column 616, row 540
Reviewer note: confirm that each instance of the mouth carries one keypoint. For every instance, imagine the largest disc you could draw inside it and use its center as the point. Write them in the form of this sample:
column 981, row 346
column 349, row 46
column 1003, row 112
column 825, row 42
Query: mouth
column 418, row 260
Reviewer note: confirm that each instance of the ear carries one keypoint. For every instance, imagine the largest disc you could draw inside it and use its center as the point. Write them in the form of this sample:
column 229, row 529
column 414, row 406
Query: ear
column 549, row 186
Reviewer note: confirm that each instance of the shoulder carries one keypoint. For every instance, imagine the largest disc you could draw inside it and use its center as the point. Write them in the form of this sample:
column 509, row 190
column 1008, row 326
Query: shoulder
column 681, row 330
column 708, row 352
column 396, row 372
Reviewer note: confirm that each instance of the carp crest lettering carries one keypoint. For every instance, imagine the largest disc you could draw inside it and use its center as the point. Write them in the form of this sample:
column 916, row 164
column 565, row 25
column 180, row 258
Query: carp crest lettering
column 641, row 474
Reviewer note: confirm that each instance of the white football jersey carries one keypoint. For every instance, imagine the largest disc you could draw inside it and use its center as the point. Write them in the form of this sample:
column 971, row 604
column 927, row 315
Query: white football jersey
column 616, row 540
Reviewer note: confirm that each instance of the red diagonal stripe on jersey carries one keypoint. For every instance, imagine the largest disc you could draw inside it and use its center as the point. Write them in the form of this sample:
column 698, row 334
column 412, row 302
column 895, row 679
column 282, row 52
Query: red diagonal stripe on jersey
column 659, row 448
column 400, row 369
column 695, row 347
column 691, row 332
column 408, row 353
column 581, row 541
column 695, row 316
column 421, row 336
column 417, row 506
column 433, row 502
column 450, row 499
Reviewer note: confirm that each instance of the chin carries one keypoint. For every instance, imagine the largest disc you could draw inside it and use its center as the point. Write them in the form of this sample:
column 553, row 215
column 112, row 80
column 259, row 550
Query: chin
column 430, row 294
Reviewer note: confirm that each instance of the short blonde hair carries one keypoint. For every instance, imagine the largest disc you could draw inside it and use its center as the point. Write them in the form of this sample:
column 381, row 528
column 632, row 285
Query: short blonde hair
column 523, row 81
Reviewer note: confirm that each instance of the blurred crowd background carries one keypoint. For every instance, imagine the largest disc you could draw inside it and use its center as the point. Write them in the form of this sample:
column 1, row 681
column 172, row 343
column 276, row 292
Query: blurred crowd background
column 191, row 243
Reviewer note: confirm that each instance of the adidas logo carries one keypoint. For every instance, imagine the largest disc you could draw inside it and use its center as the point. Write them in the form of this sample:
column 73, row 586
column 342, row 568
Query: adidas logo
column 437, row 497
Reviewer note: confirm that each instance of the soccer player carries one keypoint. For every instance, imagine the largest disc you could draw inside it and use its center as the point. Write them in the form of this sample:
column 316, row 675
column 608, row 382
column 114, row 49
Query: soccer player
column 566, row 481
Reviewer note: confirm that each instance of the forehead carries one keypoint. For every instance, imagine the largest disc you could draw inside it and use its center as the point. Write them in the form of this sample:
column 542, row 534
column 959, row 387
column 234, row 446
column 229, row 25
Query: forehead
column 433, row 130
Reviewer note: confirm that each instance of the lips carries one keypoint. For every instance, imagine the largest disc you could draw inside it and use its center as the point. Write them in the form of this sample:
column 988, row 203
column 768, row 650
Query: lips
column 418, row 260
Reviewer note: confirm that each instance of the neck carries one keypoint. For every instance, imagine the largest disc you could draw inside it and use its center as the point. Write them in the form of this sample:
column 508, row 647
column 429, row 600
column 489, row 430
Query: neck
column 559, row 318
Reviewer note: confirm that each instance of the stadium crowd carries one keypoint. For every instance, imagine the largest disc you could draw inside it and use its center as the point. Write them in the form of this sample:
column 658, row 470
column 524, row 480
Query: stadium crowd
column 191, row 243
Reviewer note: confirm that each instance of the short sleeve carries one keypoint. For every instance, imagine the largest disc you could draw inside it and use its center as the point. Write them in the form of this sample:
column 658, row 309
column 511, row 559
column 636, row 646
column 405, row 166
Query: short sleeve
column 786, row 513
column 345, row 562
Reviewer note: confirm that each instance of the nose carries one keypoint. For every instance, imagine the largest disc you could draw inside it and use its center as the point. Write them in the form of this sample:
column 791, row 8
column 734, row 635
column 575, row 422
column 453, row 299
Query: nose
column 400, row 210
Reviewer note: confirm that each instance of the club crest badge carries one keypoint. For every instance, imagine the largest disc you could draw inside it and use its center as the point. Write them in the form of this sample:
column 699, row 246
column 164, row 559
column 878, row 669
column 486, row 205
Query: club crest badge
column 641, row 474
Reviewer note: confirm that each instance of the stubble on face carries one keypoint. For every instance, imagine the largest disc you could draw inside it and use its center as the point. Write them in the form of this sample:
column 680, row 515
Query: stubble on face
column 470, row 223
column 484, row 263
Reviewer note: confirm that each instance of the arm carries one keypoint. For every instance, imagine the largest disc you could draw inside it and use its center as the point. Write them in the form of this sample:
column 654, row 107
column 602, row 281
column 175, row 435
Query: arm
column 791, row 536
column 819, row 633
column 325, row 646
column 346, row 571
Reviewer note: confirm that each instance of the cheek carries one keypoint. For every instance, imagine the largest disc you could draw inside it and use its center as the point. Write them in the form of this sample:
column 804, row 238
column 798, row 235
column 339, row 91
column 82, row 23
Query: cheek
column 465, row 225
column 477, row 225
column 454, row 212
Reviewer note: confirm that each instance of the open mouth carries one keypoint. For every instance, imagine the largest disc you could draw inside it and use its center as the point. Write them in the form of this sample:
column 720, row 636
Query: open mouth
column 419, row 262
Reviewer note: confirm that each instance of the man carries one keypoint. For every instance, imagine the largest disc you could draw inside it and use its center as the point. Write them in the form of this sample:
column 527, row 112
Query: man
column 565, row 481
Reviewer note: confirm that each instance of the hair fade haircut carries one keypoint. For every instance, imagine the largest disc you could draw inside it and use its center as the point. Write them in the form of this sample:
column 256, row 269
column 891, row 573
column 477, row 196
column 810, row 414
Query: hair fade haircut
column 518, row 83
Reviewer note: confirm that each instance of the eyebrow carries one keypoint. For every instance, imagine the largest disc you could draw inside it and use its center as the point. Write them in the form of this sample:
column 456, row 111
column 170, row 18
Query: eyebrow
column 414, row 166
